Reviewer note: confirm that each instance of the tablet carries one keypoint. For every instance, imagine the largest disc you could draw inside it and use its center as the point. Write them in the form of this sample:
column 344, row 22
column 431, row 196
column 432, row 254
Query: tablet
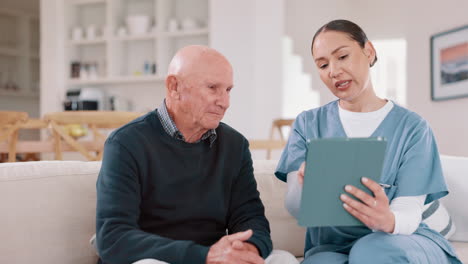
column 331, row 164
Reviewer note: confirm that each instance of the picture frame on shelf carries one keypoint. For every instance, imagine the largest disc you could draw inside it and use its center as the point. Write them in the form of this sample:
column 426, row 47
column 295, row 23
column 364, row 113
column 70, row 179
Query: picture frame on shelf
column 449, row 64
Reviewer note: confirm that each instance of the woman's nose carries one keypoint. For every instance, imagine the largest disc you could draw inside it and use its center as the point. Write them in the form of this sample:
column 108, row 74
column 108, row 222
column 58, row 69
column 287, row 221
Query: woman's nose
column 335, row 70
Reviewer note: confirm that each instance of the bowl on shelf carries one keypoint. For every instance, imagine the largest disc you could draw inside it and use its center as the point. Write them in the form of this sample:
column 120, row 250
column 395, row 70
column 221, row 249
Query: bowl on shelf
column 138, row 24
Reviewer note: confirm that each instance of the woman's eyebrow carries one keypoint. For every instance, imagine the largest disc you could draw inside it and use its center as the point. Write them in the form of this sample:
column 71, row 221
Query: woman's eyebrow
column 333, row 52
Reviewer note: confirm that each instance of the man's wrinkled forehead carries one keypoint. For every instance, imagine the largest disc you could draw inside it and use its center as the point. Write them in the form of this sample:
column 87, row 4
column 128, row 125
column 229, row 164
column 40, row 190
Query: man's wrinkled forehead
column 209, row 68
column 192, row 58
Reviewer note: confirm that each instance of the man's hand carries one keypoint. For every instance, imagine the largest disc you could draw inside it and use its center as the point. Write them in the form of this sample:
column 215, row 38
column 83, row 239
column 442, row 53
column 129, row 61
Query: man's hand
column 234, row 249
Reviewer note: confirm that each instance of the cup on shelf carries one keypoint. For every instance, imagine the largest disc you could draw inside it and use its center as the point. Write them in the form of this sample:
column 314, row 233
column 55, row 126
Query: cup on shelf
column 173, row 25
column 93, row 70
column 91, row 32
column 75, row 68
column 138, row 24
column 189, row 24
column 77, row 33
column 121, row 32
column 104, row 31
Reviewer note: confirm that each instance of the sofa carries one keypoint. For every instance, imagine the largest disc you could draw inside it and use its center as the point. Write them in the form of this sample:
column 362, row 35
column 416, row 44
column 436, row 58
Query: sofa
column 48, row 210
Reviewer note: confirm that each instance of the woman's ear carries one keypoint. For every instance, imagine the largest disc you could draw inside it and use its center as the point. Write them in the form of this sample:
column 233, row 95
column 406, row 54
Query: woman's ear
column 172, row 87
column 369, row 51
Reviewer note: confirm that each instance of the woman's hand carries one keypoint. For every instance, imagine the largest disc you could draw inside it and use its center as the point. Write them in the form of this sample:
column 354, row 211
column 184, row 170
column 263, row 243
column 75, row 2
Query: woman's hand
column 300, row 173
column 374, row 212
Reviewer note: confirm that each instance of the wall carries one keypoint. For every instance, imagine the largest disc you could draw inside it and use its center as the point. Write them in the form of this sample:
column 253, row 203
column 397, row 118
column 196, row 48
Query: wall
column 415, row 21
column 52, row 48
column 249, row 34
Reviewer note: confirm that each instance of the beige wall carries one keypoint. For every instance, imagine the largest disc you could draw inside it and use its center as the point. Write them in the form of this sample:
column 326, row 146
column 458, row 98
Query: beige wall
column 28, row 6
column 415, row 21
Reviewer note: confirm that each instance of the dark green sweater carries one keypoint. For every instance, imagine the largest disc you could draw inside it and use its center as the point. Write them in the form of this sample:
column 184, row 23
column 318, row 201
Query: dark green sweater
column 162, row 198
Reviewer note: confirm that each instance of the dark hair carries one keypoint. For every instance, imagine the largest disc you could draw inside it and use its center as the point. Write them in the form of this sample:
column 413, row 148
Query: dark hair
column 351, row 29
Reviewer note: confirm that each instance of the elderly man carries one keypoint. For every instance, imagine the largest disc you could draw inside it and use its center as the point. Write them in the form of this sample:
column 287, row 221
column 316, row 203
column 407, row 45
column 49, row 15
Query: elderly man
column 176, row 185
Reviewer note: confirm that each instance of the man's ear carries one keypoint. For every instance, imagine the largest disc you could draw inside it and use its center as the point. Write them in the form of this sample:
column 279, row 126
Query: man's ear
column 172, row 87
column 369, row 51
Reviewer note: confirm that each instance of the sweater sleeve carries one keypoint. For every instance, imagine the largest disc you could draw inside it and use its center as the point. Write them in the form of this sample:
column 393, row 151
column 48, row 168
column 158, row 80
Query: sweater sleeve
column 246, row 210
column 119, row 238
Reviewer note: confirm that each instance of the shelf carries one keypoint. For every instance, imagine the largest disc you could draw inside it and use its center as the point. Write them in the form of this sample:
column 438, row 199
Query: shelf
column 19, row 94
column 117, row 80
column 186, row 33
column 121, row 57
column 149, row 36
column 180, row 33
column 96, row 41
column 88, row 2
column 8, row 52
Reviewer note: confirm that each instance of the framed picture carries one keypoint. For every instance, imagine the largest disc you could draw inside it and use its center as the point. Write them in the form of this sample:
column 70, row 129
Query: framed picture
column 449, row 64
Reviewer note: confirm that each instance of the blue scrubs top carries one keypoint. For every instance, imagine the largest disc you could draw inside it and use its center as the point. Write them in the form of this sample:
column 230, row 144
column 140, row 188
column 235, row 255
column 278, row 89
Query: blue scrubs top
column 411, row 167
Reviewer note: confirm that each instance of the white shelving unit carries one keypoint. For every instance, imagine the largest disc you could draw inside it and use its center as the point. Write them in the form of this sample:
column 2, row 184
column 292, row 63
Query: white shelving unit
column 19, row 54
column 116, row 80
column 121, row 58
column 88, row 42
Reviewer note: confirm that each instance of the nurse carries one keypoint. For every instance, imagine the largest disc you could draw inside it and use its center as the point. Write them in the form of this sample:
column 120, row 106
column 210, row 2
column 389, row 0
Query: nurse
column 393, row 231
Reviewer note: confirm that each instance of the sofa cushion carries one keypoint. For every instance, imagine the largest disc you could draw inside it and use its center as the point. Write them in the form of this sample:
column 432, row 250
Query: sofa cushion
column 285, row 232
column 456, row 174
column 48, row 211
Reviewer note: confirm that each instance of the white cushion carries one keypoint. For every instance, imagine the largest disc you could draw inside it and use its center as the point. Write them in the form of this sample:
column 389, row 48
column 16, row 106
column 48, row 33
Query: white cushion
column 48, row 212
column 286, row 234
column 456, row 174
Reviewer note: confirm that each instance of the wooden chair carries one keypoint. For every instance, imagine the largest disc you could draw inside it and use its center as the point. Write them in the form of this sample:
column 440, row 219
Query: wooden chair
column 266, row 145
column 278, row 125
column 31, row 149
column 273, row 144
column 94, row 120
column 10, row 123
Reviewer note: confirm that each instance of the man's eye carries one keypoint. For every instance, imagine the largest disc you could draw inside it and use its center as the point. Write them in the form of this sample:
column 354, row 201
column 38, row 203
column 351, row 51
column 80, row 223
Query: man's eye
column 343, row 57
column 323, row 66
column 212, row 86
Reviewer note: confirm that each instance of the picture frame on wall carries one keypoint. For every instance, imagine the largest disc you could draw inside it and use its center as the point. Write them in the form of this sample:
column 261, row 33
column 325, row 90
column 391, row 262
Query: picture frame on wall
column 449, row 64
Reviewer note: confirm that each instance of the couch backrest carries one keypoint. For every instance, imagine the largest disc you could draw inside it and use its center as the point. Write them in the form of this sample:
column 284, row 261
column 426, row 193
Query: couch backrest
column 48, row 211
column 285, row 232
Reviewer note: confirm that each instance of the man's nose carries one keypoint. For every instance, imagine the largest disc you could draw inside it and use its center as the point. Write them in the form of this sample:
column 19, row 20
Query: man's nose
column 223, row 100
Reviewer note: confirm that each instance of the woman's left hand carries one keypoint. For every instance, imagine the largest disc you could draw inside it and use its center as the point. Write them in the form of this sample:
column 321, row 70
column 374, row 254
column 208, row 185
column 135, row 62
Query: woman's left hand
column 374, row 212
